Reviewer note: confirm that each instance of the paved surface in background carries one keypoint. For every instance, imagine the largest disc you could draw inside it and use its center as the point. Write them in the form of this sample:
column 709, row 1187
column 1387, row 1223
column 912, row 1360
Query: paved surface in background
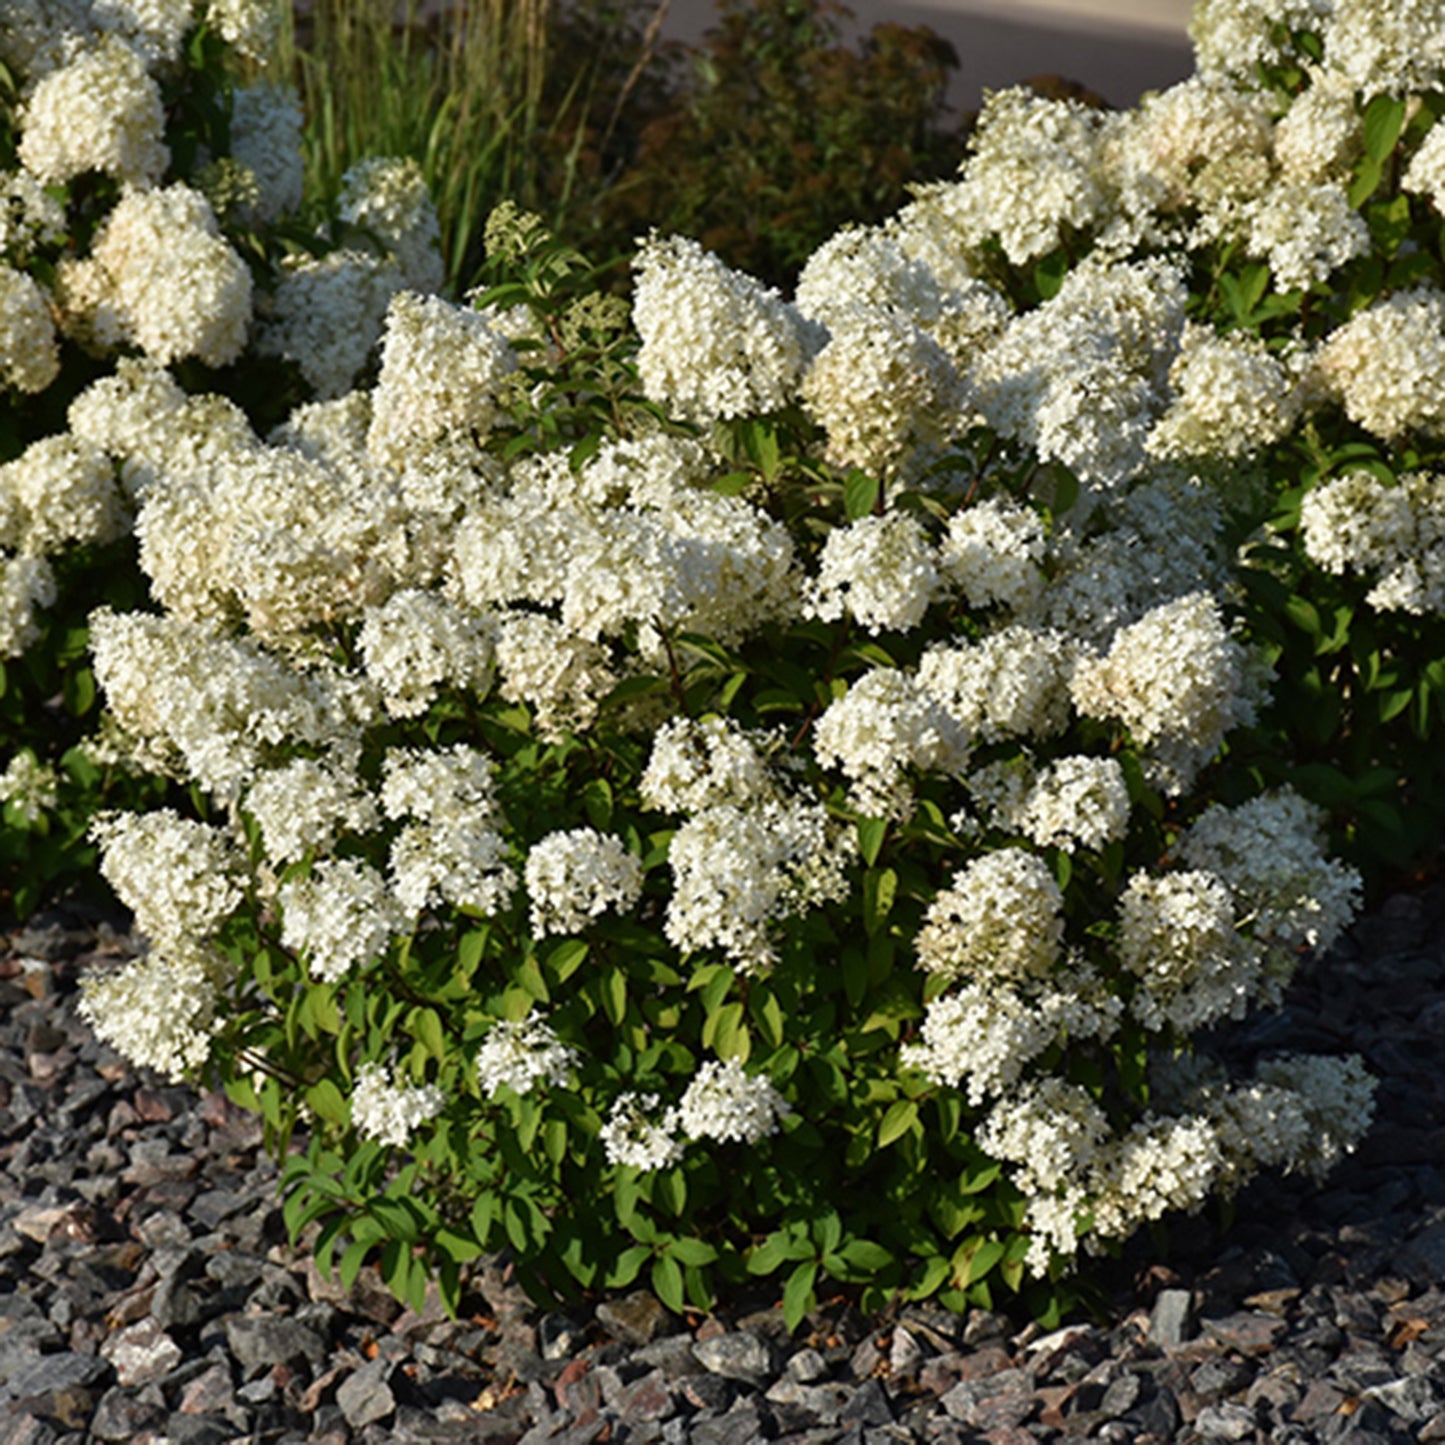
column 1120, row 62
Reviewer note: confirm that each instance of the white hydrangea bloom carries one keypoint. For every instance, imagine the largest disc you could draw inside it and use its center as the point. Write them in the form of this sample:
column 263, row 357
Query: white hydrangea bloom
column 327, row 313
column 29, row 215
column 100, row 112
column 341, row 916
column 1395, row 48
column 562, row 678
column 1232, row 37
column 159, row 1010
column 1321, row 136
column 1185, row 160
column 883, row 571
column 572, row 876
column 152, row 28
column 266, row 142
column 441, row 368
column 1271, row 852
column 702, row 764
column 1164, row 540
column 454, row 850
column 63, row 490
column 1015, row 683
column 738, row 872
column 715, row 343
column 518, row 1054
column 304, row 806
column 994, row 554
column 1178, row 934
column 1158, row 1166
column 1082, row 378
column 1306, row 232
column 25, row 584
column 1394, row 535
column 1176, row 680
column 388, row 197
column 724, row 1103
column 982, row 1037
column 1425, row 175
column 1338, row 1097
column 161, row 275
column 634, row 1137
column 1076, row 801
column 1050, row 1129
column 865, row 266
column 1231, row 396
column 181, row 879
column 1386, row 364
column 29, row 349
column 31, row 787
column 1001, row 917
column 391, row 1113
column 884, row 726
column 1034, row 176
column 881, row 388
column 416, row 642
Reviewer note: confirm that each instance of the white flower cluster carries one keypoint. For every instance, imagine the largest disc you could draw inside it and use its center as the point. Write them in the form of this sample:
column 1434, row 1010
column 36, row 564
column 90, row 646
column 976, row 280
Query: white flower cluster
column 160, row 275
column 1176, row 680
column 28, row 786
column 882, row 389
column 1230, row 397
column 416, row 642
column 519, row 1054
column 441, row 367
column 181, row 879
column 1073, row 802
column 100, row 112
column 391, row 1113
column 725, row 1103
column 452, row 848
column 882, row 571
column 303, row 806
column 29, row 349
column 574, row 875
column 1386, row 365
column 994, row 553
column 341, row 916
column 1083, row 378
column 1392, row 535
column 715, row 343
column 159, row 1010
column 1001, row 917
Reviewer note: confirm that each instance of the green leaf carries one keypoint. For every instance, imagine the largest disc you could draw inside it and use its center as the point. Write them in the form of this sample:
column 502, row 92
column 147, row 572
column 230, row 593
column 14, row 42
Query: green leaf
column 871, row 833
column 670, row 1191
column 613, row 983
column 1384, row 116
column 352, row 1261
column 458, row 1247
column 327, row 1103
column 880, row 888
column 798, row 1296
column 974, row 1258
column 470, row 949
column 901, row 1116
column 566, row 959
column 692, row 1251
column 667, row 1283
column 861, row 493
column 597, row 803
column 426, row 1025
column 864, row 1257
column 629, row 1262
column 767, row 1013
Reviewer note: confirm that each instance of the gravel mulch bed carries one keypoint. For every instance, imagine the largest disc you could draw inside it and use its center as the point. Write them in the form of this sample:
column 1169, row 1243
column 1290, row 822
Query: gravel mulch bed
column 147, row 1294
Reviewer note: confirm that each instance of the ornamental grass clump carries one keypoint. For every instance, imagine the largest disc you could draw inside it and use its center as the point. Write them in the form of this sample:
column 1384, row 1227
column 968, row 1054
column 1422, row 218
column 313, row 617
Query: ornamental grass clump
column 642, row 835
column 153, row 253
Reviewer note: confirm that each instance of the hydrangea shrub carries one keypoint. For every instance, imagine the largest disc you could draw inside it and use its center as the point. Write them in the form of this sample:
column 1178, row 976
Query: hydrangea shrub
column 150, row 185
column 721, row 790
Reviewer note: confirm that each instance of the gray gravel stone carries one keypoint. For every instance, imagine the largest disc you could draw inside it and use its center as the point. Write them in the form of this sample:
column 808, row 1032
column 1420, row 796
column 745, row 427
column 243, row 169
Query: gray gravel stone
column 738, row 1355
column 365, row 1396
